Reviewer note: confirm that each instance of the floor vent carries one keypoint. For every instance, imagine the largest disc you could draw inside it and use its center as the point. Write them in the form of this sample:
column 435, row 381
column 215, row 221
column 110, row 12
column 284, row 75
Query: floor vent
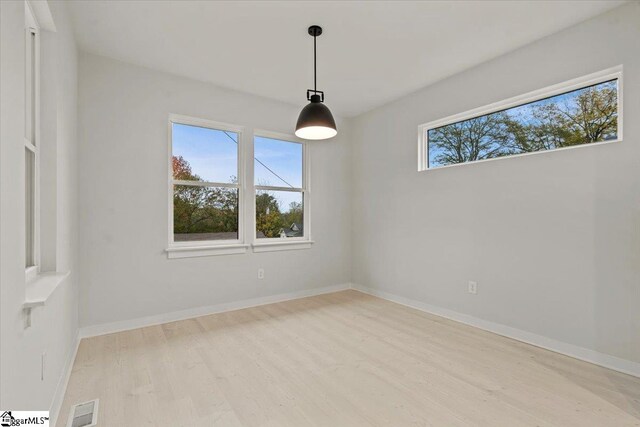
column 84, row 414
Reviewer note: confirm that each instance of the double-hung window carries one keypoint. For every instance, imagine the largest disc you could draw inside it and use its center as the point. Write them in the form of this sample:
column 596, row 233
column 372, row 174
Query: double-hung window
column 42, row 276
column 281, row 192
column 31, row 145
column 207, row 194
column 205, row 188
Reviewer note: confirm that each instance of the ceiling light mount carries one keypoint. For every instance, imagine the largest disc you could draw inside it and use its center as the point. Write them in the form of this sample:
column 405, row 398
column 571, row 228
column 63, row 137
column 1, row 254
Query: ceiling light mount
column 315, row 120
column 315, row 31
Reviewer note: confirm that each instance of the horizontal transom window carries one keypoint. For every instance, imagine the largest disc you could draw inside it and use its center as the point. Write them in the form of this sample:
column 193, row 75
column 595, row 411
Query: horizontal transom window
column 577, row 113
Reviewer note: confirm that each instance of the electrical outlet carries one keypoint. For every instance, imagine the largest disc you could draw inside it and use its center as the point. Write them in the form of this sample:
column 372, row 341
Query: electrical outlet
column 261, row 273
column 473, row 287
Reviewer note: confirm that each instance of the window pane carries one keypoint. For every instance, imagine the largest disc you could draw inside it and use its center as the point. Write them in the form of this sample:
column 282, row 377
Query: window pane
column 574, row 118
column 277, row 163
column 203, row 154
column 278, row 213
column 30, row 87
column 32, row 84
column 204, row 213
column 29, row 206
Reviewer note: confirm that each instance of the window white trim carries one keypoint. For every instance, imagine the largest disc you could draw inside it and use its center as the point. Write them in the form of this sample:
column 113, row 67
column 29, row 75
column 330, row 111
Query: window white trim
column 278, row 243
column 30, row 273
column 41, row 287
column 557, row 89
column 206, row 247
column 205, row 250
column 32, row 136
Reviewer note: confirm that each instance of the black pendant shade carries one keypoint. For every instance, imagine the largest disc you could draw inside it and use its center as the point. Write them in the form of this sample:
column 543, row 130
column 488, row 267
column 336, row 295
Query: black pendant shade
column 315, row 120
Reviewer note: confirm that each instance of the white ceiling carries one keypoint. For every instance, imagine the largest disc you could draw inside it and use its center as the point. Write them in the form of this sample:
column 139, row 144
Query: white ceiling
column 370, row 52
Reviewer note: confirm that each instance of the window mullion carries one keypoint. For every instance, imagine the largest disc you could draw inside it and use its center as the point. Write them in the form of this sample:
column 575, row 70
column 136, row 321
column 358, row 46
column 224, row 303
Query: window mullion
column 204, row 184
column 273, row 188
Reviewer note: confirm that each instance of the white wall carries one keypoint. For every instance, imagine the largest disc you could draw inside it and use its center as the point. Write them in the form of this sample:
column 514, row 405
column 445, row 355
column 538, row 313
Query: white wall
column 124, row 111
column 54, row 326
column 552, row 239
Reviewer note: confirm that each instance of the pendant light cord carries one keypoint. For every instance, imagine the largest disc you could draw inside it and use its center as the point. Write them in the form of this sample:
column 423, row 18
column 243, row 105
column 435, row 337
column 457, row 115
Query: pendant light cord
column 315, row 71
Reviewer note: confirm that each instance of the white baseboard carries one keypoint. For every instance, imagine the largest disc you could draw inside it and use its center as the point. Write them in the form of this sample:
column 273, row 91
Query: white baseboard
column 61, row 388
column 605, row 360
column 126, row 325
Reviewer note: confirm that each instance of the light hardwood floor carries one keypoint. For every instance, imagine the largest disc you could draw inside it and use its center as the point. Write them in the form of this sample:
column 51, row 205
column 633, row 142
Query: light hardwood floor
column 341, row 359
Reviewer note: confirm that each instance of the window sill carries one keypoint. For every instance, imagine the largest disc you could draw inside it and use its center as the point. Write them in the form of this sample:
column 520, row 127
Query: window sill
column 41, row 287
column 278, row 245
column 199, row 251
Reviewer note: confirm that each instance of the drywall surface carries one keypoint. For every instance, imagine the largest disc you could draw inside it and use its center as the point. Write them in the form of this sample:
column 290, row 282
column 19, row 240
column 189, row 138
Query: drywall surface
column 124, row 113
column 54, row 326
column 552, row 239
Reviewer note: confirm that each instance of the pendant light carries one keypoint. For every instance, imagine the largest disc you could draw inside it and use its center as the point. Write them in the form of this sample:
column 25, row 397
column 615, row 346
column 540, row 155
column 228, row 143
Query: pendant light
column 315, row 120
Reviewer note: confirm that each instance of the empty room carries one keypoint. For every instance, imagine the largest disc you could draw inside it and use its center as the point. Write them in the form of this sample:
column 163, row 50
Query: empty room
column 319, row 213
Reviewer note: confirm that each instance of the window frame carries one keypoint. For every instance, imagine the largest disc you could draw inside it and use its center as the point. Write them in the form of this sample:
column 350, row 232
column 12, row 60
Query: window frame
column 207, row 247
column 278, row 243
column 32, row 140
column 614, row 73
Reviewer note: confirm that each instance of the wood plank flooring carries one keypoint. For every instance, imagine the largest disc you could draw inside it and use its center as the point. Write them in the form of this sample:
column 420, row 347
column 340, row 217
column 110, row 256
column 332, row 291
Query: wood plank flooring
column 341, row 359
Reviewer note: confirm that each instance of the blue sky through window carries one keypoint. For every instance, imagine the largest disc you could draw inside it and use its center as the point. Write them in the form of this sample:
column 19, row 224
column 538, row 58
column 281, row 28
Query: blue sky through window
column 279, row 164
column 212, row 154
